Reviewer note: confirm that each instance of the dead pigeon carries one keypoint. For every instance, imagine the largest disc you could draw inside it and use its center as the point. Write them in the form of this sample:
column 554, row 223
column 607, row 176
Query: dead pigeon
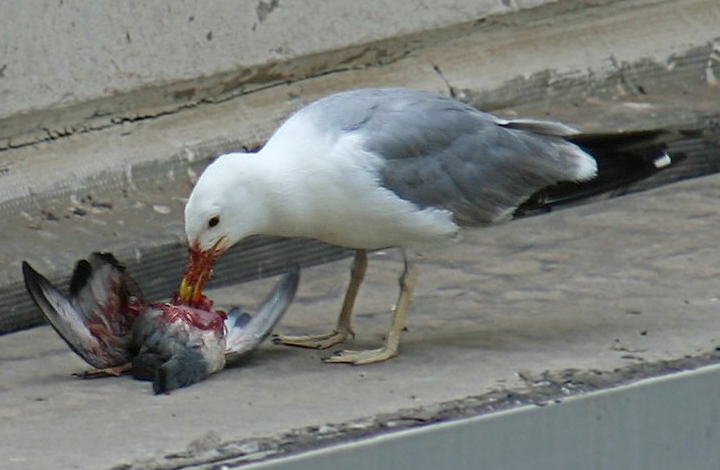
column 108, row 322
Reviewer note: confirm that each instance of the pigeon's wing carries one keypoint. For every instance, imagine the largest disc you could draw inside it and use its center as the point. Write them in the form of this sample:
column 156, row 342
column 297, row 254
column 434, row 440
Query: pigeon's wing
column 96, row 320
column 245, row 332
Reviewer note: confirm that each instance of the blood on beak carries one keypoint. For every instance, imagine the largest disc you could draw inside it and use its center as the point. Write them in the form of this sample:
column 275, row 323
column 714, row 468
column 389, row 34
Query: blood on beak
column 198, row 269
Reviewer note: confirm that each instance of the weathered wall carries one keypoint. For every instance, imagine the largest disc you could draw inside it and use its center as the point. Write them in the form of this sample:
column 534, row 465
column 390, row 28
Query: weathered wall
column 90, row 61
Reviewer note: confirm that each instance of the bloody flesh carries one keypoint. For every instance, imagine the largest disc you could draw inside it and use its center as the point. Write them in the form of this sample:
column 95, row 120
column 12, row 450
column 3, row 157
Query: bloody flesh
column 197, row 271
column 196, row 311
column 197, row 317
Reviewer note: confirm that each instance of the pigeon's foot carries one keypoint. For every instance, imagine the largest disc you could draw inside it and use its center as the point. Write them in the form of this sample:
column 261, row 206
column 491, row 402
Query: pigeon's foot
column 106, row 372
column 362, row 357
column 314, row 341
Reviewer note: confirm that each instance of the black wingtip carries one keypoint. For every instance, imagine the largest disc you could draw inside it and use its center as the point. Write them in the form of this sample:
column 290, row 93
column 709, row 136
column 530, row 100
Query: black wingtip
column 84, row 270
column 110, row 259
column 81, row 276
column 28, row 271
column 624, row 159
column 33, row 284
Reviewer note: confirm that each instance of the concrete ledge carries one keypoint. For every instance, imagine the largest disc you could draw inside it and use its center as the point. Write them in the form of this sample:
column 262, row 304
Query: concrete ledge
column 130, row 63
column 508, row 63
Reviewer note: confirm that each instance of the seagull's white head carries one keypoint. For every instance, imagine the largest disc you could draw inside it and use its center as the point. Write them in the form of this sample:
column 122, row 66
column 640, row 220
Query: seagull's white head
column 223, row 208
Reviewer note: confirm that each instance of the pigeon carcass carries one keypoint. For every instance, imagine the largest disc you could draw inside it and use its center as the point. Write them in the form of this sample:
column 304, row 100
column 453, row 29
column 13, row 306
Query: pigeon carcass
column 108, row 322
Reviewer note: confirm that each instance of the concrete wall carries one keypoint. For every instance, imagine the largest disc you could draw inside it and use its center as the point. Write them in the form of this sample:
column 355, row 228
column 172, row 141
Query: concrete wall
column 90, row 61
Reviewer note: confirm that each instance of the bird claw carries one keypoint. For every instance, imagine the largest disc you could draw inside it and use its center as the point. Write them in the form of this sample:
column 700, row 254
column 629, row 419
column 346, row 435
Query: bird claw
column 324, row 341
column 357, row 358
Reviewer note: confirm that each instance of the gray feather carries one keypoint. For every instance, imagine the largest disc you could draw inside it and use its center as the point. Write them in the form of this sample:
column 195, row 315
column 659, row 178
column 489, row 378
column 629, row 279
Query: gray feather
column 539, row 127
column 72, row 318
column 244, row 336
column 444, row 154
column 184, row 368
column 237, row 318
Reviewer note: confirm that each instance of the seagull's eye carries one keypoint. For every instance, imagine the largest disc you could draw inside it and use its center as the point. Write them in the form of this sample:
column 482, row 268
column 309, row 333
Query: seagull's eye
column 214, row 221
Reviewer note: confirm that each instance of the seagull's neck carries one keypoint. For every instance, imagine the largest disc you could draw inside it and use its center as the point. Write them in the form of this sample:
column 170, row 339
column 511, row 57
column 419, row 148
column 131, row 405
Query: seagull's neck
column 314, row 186
column 281, row 184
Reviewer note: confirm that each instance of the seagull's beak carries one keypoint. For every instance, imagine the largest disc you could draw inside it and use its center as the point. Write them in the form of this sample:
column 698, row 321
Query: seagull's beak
column 197, row 272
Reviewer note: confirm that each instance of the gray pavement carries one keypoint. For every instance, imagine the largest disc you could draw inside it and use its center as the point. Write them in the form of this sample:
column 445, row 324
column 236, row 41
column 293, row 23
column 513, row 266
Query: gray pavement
column 607, row 286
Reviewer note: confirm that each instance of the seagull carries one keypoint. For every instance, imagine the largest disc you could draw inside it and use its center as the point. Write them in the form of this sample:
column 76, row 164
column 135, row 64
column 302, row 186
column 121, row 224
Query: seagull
column 372, row 169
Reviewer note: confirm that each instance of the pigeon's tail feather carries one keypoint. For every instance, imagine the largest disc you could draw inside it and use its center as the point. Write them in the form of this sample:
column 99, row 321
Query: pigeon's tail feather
column 97, row 319
column 184, row 368
column 622, row 159
column 245, row 333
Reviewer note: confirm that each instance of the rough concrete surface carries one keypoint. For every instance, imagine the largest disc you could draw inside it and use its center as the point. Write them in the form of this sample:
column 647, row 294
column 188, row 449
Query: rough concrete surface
column 608, row 286
column 104, row 80
column 113, row 48
column 143, row 58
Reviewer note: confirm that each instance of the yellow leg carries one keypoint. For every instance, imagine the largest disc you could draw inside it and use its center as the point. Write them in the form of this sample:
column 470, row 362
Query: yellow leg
column 343, row 329
column 392, row 341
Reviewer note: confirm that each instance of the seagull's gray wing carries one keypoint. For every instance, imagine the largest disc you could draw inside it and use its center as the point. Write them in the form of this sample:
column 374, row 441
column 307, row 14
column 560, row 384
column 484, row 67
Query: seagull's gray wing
column 439, row 152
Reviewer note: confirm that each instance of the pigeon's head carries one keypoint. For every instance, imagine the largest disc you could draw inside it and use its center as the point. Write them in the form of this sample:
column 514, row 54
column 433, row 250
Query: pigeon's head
column 223, row 208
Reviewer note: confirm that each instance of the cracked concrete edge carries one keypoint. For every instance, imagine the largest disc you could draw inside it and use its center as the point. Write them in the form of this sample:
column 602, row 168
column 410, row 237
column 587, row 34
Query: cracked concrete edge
column 119, row 49
column 187, row 138
column 210, row 452
column 606, row 56
column 489, row 30
column 368, row 45
column 449, row 67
